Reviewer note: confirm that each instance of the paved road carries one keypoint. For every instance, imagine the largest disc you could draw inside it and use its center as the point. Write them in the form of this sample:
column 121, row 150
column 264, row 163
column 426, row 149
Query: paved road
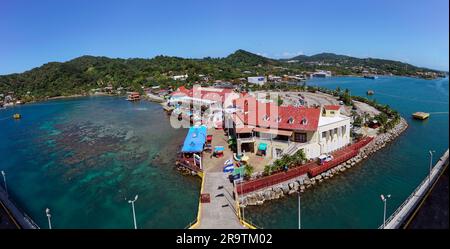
column 13, row 214
column 433, row 214
column 6, row 221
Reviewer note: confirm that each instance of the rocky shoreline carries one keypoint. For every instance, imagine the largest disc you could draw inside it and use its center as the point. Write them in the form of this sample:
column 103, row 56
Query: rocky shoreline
column 303, row 182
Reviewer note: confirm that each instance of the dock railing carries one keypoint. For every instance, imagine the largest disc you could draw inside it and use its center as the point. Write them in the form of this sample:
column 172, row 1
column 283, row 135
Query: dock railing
column 425, row 181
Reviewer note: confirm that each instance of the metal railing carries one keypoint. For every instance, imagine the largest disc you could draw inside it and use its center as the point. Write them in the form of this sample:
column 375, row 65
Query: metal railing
column 251, row 223
column 191, row 223
column 246, row 139
column 413, row 194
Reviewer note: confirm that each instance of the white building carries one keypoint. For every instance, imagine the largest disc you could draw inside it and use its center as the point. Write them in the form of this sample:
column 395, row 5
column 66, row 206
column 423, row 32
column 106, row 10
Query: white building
column 180, row 77
column 321, row 74
column 258, row 80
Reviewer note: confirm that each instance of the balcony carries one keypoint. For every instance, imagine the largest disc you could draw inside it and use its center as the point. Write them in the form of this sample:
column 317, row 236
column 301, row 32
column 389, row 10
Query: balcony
column 246, row 139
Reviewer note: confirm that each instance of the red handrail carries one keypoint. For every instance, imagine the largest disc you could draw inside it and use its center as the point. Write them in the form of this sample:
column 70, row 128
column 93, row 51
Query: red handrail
column 313, row 169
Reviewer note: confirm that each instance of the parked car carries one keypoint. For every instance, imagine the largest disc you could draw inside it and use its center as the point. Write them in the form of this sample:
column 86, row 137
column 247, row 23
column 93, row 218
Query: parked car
column 325, row 158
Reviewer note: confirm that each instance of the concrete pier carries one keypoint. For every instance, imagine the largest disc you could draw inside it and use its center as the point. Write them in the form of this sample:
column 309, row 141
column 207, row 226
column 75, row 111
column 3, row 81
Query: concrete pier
column 222, row 211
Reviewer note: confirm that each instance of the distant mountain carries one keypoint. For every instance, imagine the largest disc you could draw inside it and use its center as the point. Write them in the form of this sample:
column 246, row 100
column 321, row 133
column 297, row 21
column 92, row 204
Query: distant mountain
column 242, row 57
column 85, row 73
column 321, row 57
column 331, row 59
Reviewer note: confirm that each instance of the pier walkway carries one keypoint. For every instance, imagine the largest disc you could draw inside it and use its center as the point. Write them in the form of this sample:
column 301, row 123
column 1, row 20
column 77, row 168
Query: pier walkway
column 411, row 203
column 222, row 211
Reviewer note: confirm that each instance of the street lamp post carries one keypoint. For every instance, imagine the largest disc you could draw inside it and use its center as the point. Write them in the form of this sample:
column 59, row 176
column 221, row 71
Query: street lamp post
column 299, row 213
column 431, row 164
column 4, row 181
column 47, row 212
column 134, row 213
column 384, row 199
column 243, row 207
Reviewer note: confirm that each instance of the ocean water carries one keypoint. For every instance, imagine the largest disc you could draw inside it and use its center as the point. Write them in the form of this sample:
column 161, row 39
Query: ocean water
column 84, row 157
column 352, row 199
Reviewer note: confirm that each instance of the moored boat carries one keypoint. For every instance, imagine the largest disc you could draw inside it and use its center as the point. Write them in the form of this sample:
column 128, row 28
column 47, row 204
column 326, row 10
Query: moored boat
column 420, row 115
column 134, row 96
column 372, row 77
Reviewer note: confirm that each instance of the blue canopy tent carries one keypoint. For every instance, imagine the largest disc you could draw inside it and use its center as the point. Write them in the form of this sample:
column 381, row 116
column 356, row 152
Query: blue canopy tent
column 195, row 139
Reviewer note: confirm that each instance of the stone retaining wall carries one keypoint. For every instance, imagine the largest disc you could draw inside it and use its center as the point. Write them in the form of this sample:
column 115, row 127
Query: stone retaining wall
column 302, row 183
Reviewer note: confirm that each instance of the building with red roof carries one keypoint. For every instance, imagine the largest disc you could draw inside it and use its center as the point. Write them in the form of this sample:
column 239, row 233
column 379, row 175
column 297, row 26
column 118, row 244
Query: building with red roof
column 204, row 96
column 270, row 130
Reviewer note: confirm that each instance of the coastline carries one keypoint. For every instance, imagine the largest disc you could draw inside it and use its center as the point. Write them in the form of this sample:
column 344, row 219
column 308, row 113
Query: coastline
column 303, row 182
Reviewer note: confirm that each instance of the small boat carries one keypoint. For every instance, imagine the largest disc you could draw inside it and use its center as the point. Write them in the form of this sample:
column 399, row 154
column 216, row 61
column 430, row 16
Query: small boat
column 372, row 77
column 370, row 92
column 134, row 96
column 420, row 115
column 17, row 116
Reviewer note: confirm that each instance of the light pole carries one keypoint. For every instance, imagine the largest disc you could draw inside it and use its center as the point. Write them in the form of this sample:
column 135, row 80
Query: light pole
column 431, row 164
column 243, row 207
column 4, row 181
column 134, row 214
column 47, row 212
column 299, row 209
column 384, row 199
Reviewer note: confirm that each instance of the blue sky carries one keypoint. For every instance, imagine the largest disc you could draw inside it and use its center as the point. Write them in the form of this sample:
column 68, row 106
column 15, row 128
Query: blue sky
column 35, row 32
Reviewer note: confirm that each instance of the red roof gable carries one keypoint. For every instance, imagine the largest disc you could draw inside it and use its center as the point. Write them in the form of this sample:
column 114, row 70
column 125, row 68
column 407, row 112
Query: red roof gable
column 279, row 117
column 332, row 107
column 215, row 94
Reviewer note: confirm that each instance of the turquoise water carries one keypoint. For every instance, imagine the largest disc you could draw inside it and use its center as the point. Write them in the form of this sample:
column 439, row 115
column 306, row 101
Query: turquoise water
column 352, row 199
column 83, row 157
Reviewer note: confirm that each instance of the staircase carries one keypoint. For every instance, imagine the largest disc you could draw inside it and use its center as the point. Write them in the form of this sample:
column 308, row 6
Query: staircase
column 292, row 149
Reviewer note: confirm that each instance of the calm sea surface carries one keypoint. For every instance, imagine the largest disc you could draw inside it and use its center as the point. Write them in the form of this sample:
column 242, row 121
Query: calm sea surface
column 83, row 158
column 352, row 199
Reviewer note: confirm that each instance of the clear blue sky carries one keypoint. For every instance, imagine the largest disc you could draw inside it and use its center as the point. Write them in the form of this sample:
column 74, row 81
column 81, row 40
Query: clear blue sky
column 35, row 32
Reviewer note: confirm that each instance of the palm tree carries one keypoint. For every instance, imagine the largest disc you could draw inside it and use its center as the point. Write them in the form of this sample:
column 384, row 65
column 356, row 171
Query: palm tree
column 248, row 171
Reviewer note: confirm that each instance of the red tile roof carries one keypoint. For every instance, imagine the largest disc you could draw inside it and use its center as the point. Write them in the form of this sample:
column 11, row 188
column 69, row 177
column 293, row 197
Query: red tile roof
column 209, row 93
column 332, row 107
column 269, row 115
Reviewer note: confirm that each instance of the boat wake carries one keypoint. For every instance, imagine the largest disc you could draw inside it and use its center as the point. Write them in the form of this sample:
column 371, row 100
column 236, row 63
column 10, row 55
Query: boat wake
column 438, row 113
column 411, row 99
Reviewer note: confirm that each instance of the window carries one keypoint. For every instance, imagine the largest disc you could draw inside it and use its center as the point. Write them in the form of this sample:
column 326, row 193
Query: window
column 300, row 137
column 335, row 131
column 324, row 134
column 291, row 120
column 304, row 121
column 331, row 112
column 343, row 129
column 278, row 119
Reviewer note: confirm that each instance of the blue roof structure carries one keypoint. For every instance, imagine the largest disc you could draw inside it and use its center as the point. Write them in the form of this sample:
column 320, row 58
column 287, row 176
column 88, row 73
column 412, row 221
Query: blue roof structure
column 195, row 139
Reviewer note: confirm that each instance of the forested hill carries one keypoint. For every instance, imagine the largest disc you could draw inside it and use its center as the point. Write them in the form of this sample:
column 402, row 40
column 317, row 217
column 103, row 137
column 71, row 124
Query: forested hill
column 352, row 63
column 87, row 72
